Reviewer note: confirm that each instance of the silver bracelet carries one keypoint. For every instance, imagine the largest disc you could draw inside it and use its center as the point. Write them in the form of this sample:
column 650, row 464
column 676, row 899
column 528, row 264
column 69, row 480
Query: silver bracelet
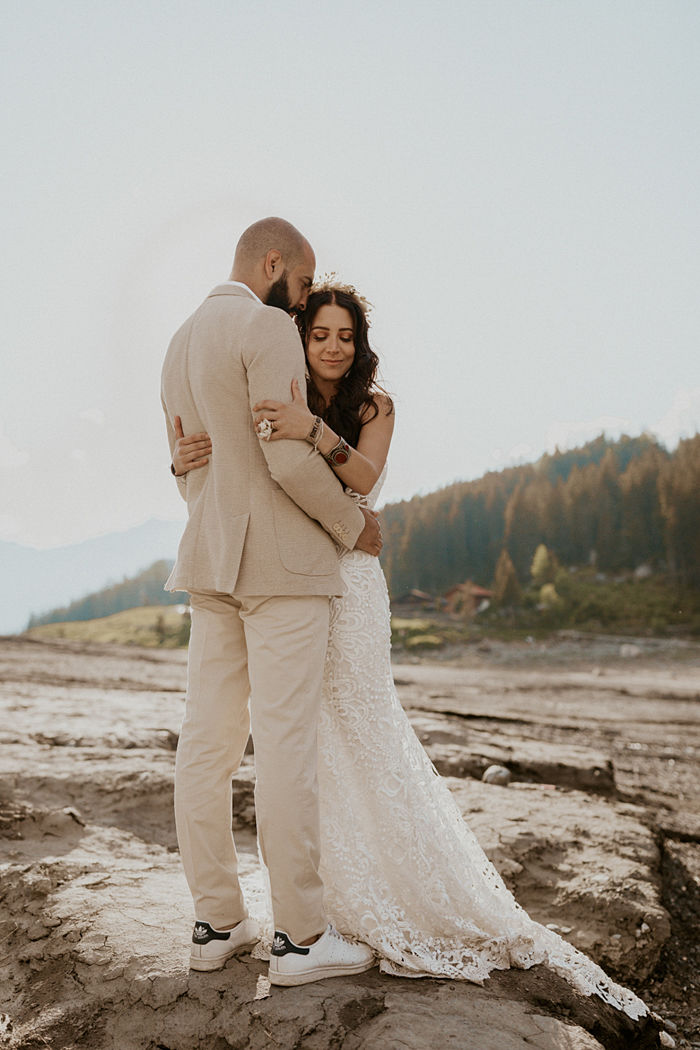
column 340, row 454
column 316, row 432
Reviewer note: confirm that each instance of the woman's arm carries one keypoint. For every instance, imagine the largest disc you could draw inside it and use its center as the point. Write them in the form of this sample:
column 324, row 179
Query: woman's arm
column 364, row 464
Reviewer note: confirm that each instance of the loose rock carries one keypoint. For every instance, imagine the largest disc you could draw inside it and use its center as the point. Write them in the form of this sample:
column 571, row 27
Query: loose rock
column 497, row 775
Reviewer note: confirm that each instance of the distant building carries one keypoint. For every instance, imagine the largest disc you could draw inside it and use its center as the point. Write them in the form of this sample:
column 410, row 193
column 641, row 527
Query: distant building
column 416, row 599
column 467, row 599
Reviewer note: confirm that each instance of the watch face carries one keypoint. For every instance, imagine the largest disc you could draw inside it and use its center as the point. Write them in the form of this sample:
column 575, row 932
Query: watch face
column 340, row 457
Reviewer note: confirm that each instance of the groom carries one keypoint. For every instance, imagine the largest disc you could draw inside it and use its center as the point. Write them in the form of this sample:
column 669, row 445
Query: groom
column 259, row 563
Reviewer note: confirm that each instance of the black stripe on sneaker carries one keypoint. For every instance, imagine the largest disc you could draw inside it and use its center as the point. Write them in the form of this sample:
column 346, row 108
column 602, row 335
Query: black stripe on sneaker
column 203, row 933
column 283, row 946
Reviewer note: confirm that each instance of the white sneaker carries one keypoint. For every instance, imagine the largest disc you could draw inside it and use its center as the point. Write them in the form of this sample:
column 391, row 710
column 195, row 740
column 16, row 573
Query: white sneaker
column 211, row 948
column 330, row 956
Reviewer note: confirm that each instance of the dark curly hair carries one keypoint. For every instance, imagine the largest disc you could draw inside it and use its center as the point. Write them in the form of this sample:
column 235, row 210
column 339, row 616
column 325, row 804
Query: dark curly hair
column 357, row 390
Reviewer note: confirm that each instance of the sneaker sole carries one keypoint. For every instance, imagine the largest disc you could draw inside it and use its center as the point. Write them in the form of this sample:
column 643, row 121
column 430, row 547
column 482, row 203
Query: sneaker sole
column 319, row 973
column 207, row 965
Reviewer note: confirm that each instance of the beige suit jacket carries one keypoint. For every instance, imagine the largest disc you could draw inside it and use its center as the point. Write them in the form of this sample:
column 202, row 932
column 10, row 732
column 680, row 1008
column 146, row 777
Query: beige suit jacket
column 258, row 510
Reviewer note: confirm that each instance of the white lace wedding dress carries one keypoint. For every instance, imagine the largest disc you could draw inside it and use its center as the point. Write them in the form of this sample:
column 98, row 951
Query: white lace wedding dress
column 402, row 870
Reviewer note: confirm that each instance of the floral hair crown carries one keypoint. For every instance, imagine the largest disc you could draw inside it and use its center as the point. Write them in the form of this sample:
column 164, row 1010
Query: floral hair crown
column 330, row 282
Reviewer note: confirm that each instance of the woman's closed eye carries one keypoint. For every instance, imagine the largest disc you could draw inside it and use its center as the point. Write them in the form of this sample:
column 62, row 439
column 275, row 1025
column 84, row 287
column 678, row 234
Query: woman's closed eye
column 323, row 338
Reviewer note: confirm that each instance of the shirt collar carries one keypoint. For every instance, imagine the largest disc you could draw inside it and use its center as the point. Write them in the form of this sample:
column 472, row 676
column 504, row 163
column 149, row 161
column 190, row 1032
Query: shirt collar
column 240, row 284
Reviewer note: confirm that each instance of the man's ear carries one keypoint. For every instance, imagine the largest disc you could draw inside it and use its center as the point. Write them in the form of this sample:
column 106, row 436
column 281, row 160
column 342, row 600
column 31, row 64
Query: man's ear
column 273, row 264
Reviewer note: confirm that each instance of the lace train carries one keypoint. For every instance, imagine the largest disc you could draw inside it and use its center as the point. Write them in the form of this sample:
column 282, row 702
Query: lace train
column 402, row 869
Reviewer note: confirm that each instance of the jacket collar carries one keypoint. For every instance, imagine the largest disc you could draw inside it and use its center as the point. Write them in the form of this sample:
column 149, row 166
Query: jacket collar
column 234, row 288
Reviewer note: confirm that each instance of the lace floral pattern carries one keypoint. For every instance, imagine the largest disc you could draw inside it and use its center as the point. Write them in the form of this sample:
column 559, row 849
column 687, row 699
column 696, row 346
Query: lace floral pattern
column 402, row 870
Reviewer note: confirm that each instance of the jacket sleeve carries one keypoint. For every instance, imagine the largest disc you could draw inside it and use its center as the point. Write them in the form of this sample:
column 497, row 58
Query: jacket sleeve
column 273, row 356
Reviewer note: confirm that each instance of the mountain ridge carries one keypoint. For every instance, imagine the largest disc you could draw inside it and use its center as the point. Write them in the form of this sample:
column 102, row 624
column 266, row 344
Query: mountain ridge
column 37, row 580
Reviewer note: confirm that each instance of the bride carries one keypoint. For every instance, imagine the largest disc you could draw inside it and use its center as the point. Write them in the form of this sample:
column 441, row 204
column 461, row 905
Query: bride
column 401, row 869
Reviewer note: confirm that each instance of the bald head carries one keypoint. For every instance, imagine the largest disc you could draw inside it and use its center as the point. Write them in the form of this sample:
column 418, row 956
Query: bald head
column 270, row 251
column 268, row 234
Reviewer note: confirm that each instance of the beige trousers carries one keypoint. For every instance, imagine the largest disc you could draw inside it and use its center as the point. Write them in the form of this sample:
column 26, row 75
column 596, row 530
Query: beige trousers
column 273, row 650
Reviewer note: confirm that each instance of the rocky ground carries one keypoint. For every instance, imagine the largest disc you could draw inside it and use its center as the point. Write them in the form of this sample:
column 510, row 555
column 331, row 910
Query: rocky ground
column 597, row 833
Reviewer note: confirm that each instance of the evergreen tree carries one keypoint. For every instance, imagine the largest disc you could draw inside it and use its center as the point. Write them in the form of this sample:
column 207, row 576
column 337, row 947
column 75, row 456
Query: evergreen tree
column 608, row 507
column 642, row 527
column 679, row 486
column 506, row 588
column 581, row 516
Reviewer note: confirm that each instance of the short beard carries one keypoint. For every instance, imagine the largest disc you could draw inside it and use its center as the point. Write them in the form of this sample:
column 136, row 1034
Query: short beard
column 278, row 294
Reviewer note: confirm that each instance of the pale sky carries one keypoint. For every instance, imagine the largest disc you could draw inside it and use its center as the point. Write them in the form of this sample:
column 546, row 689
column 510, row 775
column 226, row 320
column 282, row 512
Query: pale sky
column 514, row 184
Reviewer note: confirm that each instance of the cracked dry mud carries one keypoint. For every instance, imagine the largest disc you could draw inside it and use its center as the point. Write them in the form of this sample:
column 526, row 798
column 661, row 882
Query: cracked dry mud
column 597, row 834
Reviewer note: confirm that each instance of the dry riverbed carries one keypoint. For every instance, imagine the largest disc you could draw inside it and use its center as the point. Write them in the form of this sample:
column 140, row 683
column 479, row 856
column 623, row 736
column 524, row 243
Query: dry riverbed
column 598, row 833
